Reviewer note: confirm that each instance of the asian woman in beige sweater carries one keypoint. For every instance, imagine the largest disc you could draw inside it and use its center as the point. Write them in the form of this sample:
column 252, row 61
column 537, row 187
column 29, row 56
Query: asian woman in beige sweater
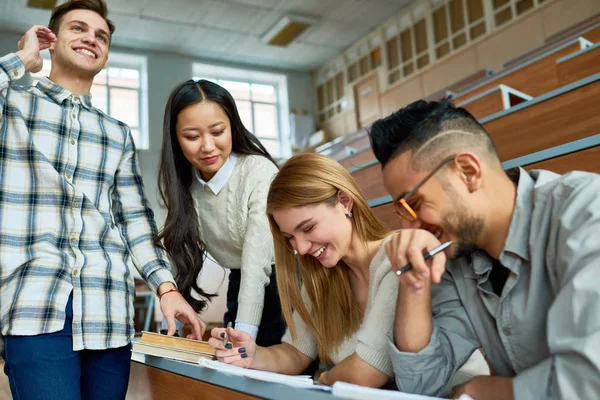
column 213, row 178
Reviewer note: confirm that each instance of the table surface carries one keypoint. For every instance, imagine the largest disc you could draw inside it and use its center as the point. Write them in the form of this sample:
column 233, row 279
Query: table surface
column 268, row 390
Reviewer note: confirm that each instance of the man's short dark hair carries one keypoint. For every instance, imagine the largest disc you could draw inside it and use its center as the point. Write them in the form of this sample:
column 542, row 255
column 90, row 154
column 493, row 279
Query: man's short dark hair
column 415, row 125
column 98, row 6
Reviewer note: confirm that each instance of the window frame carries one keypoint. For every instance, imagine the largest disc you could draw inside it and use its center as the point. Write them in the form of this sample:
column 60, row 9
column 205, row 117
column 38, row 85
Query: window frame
column 278, row 81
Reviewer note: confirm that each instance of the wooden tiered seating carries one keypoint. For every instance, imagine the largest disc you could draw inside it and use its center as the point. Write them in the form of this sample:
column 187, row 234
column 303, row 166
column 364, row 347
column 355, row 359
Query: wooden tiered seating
column 585, row 160
column 496, row 93
column 359, row 144
column 496, row 99
column 543, row 69
column 358, row 158
column 369, row 179
column 588, row 29
column 561, row 116
column 524, row 129
column 341, row 144
column 460, row 85
column 578, row 29
column 345, row 147
column 579, row 65
column 542, row 112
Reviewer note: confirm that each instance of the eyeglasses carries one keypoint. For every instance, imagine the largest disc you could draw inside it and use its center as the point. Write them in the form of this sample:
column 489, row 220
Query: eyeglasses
column 401, row 205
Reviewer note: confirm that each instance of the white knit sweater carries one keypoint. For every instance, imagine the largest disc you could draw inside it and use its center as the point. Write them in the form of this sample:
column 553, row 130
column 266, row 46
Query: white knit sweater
column 235, row 229
column 370, row 341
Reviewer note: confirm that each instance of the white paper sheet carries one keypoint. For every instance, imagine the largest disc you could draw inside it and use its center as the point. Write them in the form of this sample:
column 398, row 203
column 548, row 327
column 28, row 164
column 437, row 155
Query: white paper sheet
column 355, row 392
column 303, row 381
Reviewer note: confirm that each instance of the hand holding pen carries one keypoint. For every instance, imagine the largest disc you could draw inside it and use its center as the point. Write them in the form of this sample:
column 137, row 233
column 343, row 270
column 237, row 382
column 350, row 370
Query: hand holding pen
column 426, row 256
column 233, row 346
column 408, row 251
column 225, row 335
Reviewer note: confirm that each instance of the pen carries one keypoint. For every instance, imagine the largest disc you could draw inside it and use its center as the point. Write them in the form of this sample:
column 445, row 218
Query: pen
column 229, row 325
column 432, row 253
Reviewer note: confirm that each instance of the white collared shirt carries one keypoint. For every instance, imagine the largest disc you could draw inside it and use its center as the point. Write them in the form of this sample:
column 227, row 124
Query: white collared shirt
column 217, row 182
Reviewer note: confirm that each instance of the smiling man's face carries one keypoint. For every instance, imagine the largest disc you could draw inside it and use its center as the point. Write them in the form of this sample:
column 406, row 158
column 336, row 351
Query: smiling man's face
column 442, row 204
column 82, row 43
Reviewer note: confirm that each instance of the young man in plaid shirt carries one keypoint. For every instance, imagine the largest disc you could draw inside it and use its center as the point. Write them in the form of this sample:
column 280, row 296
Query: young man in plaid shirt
column 73, row 220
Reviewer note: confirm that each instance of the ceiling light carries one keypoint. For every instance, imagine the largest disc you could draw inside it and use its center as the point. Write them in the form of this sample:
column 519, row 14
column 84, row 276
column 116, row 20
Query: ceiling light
column 287, row 29
column 44, row 4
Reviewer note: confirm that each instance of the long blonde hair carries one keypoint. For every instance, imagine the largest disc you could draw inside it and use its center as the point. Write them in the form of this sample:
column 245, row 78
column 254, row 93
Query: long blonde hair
column 306, row 179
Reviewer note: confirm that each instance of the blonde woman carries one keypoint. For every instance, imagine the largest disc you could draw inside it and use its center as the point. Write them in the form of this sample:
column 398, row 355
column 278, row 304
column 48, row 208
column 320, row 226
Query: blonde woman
column 339, row 301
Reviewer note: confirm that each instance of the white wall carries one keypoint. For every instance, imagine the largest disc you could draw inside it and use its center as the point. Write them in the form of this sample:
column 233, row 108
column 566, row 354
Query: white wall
column 165, row 71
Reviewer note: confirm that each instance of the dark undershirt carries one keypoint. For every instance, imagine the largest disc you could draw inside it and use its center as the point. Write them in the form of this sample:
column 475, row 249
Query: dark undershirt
column 499, row 273
column 498, row 276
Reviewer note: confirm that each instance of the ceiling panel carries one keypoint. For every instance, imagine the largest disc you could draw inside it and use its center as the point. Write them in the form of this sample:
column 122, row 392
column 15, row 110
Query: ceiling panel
column 154, row 31
column 230, row 30
column 127, row 7
column 315, row 8
column 365, row 10
column 269, row 4
column 332, row 34
column 232, row 16
column 176, row 11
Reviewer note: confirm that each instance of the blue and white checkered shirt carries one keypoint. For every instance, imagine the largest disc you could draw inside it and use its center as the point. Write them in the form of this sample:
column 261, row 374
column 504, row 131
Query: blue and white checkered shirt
column 73, row 216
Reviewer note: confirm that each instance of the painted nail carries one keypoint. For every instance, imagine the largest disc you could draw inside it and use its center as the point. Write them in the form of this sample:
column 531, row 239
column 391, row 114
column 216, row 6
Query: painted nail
column 228, row 346
column 244, row 355
column 223, row 335
column 242, row 350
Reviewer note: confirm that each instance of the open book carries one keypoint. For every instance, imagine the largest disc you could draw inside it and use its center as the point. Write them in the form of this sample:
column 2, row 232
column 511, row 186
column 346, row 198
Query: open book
column 302, row 381
column 176, row 348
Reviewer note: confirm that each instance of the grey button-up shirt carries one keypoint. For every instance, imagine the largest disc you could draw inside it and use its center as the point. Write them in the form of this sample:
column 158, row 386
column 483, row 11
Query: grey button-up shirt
column 544, row 329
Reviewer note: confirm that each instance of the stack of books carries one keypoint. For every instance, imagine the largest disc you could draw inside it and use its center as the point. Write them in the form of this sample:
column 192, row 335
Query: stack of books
column 158, row 345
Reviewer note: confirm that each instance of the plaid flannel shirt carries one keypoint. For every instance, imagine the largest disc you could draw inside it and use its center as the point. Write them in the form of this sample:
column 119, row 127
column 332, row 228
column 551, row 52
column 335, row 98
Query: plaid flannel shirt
column 73, row 216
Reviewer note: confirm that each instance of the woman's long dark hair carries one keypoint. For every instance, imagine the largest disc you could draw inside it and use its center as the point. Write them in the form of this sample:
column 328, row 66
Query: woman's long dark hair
column 180, row 236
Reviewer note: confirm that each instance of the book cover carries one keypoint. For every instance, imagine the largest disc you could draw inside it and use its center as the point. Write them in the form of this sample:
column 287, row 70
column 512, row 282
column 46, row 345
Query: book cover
column 173, row 347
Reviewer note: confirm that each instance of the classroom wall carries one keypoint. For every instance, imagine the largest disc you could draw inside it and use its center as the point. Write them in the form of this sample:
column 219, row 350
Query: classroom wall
column 165, row 71
column 491, row 51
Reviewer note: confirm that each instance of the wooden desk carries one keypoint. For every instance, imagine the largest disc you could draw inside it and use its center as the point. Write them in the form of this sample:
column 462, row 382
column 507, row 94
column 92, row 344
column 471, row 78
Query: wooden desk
column 161, row 378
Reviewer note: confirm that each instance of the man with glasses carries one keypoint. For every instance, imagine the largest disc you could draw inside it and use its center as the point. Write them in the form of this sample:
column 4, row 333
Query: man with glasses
column 523, row 278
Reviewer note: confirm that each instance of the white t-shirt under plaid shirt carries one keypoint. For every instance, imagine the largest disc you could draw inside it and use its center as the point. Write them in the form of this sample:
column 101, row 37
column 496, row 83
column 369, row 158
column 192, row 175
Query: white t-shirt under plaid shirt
column 73, row 216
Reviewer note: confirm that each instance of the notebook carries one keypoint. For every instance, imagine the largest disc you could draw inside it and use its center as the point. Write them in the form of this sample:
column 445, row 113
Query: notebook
column 355, row 392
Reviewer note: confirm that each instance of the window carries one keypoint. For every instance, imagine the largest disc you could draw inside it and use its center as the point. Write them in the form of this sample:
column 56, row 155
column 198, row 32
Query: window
column 407, row 44
column 456, row 22
column 119, row 91
column 363, row 58
column 261, row 100
column 505, row 10
column 331, row 99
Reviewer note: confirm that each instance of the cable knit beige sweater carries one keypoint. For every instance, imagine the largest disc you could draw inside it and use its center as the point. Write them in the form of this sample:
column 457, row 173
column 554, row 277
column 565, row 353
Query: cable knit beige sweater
column 235, row 229
column 370, row 341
